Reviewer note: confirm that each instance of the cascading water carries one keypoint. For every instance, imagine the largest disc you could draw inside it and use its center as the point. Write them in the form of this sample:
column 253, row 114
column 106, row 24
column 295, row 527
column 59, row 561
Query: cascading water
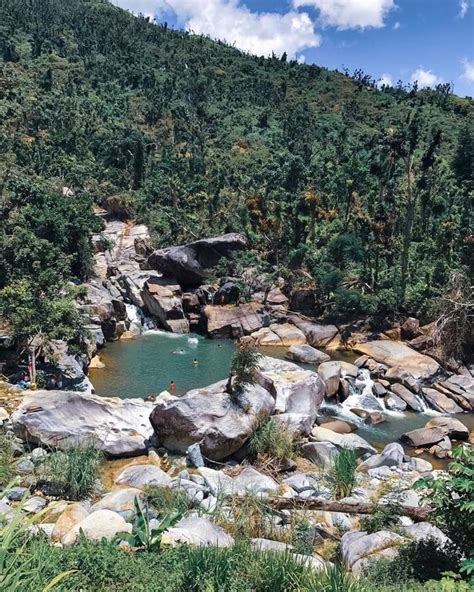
column 139, row 323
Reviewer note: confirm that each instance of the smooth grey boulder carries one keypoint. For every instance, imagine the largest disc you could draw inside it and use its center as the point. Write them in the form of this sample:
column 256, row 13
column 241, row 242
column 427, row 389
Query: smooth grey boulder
column 197, row 531
column 394, row 403
column 218, row 482
column 330, row 372
column 121, row 501
column 210, row 417
column 412, row 401
column 350, row 441
column 194, row 456
column 452, row 427
column 101, row 524
column 319, row 453
column 188, row 263
column 392, row 455
column 424, row 530
column 141, row 476
column 296, row 391
column 440, row 402
column 306, row 354
column 60, row 419
column 423, row 437
column 269, row 545
column 359, row 547
column 250, row 481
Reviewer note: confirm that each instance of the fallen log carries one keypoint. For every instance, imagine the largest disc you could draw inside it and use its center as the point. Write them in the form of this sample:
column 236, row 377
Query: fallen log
column 300, row 503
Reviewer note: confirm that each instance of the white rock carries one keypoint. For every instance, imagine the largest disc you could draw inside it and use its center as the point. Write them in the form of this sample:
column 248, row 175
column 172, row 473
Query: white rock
column 102, row 524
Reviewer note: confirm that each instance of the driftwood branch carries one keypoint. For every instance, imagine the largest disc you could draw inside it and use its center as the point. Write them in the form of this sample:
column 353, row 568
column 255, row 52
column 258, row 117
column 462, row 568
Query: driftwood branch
column 285, row 503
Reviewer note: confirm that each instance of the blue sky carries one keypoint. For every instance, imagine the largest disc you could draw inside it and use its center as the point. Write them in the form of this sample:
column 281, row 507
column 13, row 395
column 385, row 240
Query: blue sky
column 429, row 41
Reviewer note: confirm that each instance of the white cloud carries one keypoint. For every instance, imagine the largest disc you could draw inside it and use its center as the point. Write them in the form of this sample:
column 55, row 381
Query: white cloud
column 463, row 7
column 468, row 72
column 350, row 14
column 384, row 80
column 396, row 25
column 425, row 78
column 261, row 33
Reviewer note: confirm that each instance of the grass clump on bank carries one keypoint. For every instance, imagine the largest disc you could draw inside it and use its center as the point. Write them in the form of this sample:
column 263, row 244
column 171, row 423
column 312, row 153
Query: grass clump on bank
column 341, row 476
column 71, row 473
column 7, row 459
column 272, row 440
column 167, row 499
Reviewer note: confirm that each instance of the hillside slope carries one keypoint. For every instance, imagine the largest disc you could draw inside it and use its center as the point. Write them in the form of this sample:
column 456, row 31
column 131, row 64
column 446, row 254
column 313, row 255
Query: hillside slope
column 363, row 194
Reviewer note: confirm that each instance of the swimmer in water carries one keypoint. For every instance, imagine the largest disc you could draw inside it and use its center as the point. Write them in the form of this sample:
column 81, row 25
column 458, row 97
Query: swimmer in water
column 172, row 386
column 195, row 362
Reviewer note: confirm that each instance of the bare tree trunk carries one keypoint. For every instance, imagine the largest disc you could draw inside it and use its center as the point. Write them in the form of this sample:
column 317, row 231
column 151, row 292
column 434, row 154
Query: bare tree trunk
column 285, row 503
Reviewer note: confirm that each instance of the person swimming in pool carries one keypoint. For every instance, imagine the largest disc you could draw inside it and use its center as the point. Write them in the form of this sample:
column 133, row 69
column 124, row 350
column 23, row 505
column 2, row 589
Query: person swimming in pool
column 172, row 386
column 195, row 362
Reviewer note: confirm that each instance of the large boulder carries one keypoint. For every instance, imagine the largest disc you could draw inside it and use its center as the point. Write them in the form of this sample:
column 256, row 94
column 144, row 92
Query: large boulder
column 306, row 354
column 316, row 335
column 411, row 401
column 288, row 334
column 60, row 419
column 297, row 392
column 250, row 481
column 195, row 530
column 101, row 524
column 451, row 427
column 188, row 263
column 350, row 441
column 209, row 417
column 423, row 437
column 232, row 321
column 330, row 373
column 395, row 353
column 440, row 402
column 163, row 299
column 144, row 475
column 358, row 548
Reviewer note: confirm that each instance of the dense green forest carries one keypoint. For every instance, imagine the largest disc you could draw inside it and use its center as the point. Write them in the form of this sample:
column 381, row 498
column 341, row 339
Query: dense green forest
column 363, row 194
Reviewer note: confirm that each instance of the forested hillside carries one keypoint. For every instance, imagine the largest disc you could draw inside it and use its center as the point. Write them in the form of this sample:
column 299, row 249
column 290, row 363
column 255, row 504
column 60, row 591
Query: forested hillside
column 363, row 194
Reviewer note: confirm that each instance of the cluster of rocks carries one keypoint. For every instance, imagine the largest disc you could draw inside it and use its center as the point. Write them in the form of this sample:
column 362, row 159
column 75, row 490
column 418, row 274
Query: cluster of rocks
column 386, row 476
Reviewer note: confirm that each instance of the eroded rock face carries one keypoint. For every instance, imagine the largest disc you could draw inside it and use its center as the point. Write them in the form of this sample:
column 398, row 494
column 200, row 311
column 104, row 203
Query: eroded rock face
column 188, row 263
column 235, row 321
column 440, row 402
column 209, row 417
column 60, row 419
column 394, row 353
column 297, row 392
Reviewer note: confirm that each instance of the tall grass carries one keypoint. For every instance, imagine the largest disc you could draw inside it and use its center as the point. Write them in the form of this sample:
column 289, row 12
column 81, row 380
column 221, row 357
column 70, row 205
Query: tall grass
column 71, row 473
column 6, row 459
column 272, row 440
column 341, row 476
column 166, row 499
column 18, row 569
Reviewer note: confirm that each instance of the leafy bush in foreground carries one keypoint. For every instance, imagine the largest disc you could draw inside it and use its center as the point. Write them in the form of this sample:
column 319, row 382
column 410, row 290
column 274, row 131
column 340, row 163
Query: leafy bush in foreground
column 272, row 440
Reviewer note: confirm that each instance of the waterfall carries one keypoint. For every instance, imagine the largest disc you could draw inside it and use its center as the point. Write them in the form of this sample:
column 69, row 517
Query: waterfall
column 361, row 395
column 139, row 323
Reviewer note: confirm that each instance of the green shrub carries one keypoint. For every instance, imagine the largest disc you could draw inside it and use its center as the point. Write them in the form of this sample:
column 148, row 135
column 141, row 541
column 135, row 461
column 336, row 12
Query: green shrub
column 244, row 366
column 7, row 459
column 451, row 496
column 273, row 440
column 304, row 537
column 71, row 473
column 341, row 476
column 167, row 499
column 384, row 518
column 417, row 561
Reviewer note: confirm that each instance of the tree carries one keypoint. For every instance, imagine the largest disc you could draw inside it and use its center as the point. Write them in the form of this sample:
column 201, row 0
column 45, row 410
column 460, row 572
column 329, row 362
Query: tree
column 243, row 370
column 35, row 318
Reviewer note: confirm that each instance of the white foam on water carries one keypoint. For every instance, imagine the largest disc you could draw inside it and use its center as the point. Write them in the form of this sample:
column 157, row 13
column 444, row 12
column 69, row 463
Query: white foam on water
column 193, row 341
